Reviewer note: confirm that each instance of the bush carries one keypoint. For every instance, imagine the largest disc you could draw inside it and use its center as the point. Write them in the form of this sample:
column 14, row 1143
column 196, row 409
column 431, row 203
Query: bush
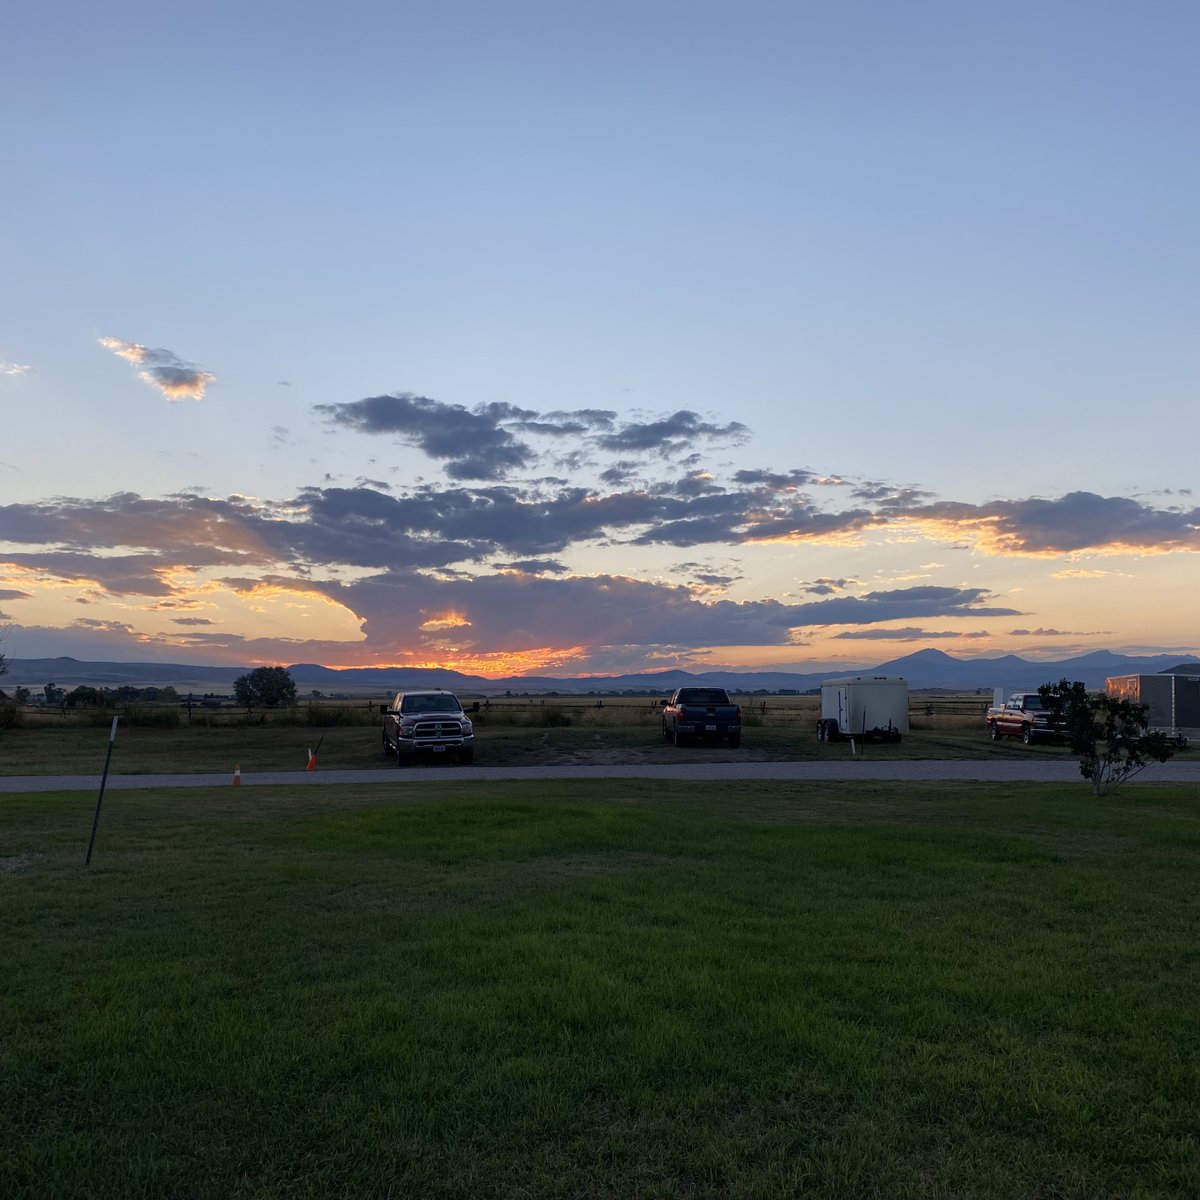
column 549, row 716
column 325, row 715
column 11, row 716
column 140, row 716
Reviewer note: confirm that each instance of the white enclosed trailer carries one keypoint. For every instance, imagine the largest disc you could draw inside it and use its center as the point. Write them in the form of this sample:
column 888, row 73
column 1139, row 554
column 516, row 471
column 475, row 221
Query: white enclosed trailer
column 870, row 707
column 1172, row 701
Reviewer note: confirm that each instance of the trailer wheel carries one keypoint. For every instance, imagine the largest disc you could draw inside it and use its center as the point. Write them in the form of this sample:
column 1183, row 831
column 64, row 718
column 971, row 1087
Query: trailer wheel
column 821, row 733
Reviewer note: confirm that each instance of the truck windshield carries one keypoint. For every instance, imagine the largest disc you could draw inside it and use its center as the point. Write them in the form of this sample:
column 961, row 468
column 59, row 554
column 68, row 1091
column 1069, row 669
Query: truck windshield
column 424, row 704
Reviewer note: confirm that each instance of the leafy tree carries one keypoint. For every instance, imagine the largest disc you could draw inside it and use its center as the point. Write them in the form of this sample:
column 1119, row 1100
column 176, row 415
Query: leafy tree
column 1111, row 737
column 22, row 695
column 83, row 697
column 265, row 687
column 54, row 694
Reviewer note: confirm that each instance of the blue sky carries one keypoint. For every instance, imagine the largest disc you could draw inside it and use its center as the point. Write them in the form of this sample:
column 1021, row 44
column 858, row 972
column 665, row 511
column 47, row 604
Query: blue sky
column 599, row 336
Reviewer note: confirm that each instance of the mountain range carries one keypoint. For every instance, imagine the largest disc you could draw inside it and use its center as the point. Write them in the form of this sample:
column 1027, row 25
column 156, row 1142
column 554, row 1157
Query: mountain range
column 925, row 669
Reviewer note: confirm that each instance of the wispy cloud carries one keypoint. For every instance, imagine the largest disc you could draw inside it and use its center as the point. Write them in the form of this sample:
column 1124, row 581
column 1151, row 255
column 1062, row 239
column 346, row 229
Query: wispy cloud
column 163, row 369
column 909, row 633
column 11, row 368
column 1039, row 632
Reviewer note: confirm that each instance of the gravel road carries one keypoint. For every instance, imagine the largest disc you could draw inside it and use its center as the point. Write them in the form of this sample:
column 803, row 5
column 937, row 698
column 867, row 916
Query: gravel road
column 913, row 770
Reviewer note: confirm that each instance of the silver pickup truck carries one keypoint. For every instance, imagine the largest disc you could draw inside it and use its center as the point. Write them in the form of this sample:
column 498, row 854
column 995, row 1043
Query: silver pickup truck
column 427, row 725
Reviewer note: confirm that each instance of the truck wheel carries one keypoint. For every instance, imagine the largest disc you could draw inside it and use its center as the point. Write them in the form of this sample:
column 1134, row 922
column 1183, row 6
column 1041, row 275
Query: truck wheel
column 666, row 733
column 994, row 730
column 466, row 757
column 401, row 758
column 1027, row 734
column 387, row 749
column 735, row 740
column 678, row 737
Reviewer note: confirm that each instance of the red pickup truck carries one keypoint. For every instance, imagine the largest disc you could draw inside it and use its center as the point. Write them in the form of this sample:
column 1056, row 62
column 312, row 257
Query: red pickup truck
column 1024, row 715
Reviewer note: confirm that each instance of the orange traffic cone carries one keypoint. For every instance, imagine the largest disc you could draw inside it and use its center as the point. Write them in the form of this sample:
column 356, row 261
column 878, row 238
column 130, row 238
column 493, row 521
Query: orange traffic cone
column 237, row 775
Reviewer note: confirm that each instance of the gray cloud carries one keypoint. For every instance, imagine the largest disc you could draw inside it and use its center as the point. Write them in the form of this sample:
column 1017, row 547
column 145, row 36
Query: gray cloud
column 825, row 586
column 522, row 612
column 1075, row 522
column 669, row 435
column 481, row 443
column 493, row 553
column 473, row 443
column 535, row 566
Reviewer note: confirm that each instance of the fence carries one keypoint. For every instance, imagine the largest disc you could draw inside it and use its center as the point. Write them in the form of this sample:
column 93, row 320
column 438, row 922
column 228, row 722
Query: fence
column 547, row 710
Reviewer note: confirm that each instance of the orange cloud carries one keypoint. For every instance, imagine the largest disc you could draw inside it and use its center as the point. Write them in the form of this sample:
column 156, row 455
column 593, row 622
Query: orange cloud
column 448, row 620
column 176, row 379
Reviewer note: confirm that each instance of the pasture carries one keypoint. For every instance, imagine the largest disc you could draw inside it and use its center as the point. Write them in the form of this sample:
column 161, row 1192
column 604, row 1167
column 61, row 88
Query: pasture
column 509, row 732
column 601, row 989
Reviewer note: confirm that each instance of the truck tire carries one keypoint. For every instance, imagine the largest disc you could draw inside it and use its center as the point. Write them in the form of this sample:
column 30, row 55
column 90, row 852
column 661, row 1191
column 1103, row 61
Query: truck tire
column 466, row 757
column 1027, row 734
column 994, row 730
column 666, row 733
column 387, row 746
column 735, row 740
column 678, row 737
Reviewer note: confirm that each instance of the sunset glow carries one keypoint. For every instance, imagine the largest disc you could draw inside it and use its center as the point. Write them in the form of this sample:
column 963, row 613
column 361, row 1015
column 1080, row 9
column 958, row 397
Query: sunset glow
column 760, row 342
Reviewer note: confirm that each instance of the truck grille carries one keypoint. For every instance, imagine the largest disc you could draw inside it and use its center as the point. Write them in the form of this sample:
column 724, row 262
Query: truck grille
column 437, row 729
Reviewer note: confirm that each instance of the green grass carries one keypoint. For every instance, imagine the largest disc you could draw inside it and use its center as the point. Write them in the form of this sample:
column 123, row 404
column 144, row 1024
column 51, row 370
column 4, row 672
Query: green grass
column 601, row 989
column 81, row 749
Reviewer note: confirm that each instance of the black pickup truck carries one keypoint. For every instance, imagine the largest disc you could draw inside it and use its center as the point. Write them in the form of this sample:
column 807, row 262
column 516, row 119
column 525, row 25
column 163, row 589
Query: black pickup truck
column 427, row 725
column 701, row 712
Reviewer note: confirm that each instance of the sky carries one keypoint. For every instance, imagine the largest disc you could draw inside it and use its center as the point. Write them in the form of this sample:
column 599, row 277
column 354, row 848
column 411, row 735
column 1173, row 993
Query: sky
column 585, row 338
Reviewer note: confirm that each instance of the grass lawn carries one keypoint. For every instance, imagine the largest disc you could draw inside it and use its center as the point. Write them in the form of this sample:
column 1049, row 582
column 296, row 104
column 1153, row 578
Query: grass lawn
column 602, row 989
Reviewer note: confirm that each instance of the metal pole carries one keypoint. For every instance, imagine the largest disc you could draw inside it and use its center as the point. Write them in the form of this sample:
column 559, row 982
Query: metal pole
column 112, row 737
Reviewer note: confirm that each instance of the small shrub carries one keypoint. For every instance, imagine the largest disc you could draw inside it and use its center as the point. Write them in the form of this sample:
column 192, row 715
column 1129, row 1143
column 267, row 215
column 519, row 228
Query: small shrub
column 325, row 715
column 141, row 717
column 549, row 716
